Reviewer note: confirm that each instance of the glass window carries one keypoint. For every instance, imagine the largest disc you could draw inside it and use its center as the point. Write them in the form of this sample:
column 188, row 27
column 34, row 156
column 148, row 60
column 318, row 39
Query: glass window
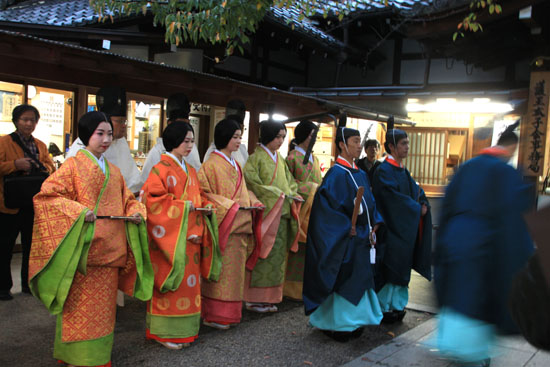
column 11, row 95
column 55, row 107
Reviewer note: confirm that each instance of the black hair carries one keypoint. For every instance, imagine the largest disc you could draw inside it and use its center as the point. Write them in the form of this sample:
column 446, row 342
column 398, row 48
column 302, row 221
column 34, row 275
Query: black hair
column 292, row 145
column 178, row 107
column 175, row 133
column 112, row 101
column 269, row 130
column 303, row 130
column 393, row 136
column 344, row 133
column 21, row 109
column 224, row 131
column 508, row 136
column 236, row 108
column 89, row 122
column 371, row 142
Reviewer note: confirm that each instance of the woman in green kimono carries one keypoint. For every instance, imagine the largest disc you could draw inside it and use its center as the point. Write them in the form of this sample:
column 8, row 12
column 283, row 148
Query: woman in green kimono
column 268, row 176
column 308, row 177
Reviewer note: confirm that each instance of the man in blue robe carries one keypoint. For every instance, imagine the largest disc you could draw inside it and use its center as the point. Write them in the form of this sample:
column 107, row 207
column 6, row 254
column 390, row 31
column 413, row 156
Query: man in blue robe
column 338, row 288
column 482, row 242
column 406, row 212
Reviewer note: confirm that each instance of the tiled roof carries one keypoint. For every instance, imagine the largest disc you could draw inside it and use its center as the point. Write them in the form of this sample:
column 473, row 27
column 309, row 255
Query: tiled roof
column 51, row 12
column 78, row 13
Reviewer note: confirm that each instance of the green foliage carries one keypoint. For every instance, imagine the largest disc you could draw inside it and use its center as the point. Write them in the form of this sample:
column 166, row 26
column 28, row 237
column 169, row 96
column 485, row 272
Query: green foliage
column 225, row 22
column 470, row 23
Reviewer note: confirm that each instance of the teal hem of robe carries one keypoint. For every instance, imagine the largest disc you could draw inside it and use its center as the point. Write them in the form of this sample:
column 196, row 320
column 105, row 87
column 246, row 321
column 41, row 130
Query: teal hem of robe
column 338, row 314
column 461, row 337
column 393, row 297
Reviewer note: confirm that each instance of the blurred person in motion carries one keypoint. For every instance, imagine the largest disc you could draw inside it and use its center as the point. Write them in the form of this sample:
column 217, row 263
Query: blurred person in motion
column 482, row 242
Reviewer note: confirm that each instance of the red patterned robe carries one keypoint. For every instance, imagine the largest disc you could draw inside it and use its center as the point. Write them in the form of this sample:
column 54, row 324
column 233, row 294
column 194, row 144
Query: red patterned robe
column 173, row 314
column 224, row 185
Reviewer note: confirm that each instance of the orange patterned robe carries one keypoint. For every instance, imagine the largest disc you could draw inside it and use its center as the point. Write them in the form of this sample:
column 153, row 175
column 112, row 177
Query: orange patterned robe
column 107, row 253
column 173, row 314
column 225, row 187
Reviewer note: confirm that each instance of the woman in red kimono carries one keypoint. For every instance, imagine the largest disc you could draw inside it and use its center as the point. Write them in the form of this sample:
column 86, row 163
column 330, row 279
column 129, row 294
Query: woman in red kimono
column 183, row 241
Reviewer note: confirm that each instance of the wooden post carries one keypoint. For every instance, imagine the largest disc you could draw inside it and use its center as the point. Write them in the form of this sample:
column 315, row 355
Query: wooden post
column 253, row 128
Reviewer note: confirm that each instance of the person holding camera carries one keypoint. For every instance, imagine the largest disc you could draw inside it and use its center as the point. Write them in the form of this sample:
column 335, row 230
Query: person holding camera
column 21, row 157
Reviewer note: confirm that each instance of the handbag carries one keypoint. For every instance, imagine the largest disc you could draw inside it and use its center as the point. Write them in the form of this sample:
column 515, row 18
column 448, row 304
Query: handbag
column 20, row 187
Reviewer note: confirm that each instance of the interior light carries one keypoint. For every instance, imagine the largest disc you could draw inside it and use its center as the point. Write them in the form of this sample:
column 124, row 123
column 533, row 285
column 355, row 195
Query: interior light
column 31, row 92
column 482, row 100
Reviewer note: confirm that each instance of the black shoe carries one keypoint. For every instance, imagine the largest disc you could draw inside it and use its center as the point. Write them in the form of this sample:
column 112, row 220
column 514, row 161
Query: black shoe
column 26, row 290
column 389, row 317
column 399, row 315
column 482, row 363
column 339, row 336
column 6, row 296
column 357, row 333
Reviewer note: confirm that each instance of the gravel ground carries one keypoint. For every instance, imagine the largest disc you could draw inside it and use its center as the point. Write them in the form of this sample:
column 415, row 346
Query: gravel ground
column 280, row 339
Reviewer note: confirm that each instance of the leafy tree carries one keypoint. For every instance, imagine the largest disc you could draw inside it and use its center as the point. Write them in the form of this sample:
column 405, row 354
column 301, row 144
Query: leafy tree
column 229, row 22
column 470, row 23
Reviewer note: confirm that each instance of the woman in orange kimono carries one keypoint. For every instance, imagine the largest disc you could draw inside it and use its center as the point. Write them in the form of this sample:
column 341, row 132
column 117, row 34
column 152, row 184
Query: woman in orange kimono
column 222, row 180
column 80, row 255
column 184, row 243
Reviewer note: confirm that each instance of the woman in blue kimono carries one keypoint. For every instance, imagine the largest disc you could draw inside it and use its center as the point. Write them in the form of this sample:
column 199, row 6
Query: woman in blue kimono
column 482, row 242
column 338, row 288
column 406, row 213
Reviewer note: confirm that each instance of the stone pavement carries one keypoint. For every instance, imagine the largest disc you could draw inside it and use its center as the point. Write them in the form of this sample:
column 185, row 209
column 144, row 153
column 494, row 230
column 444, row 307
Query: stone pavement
column 409, row 349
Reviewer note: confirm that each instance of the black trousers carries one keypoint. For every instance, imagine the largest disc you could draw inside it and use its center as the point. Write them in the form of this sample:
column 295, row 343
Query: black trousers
column 10, row 226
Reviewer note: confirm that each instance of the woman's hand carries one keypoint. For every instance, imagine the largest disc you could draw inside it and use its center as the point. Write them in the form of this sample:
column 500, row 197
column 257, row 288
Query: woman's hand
column 197, row 240
column 191, row 206
column 136, row 218
column 23, row 164
column 90, row 216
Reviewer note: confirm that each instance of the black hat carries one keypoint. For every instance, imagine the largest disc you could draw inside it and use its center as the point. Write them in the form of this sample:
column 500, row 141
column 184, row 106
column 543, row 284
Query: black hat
column 112, row 101
column 234, row 108
column 393, row 136
column 224, row 131
column 89, row 122
column 508, row 136
column 343, row 134
column 178, row 107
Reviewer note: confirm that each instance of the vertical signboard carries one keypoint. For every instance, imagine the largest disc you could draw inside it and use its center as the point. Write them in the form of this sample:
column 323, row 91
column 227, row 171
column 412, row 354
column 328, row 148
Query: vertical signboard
column 534, row 127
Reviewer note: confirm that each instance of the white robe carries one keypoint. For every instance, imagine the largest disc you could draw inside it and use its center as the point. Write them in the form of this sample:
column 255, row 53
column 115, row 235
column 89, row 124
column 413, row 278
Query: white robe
column 119, row 155
column 153, row 157
column 240, row 155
